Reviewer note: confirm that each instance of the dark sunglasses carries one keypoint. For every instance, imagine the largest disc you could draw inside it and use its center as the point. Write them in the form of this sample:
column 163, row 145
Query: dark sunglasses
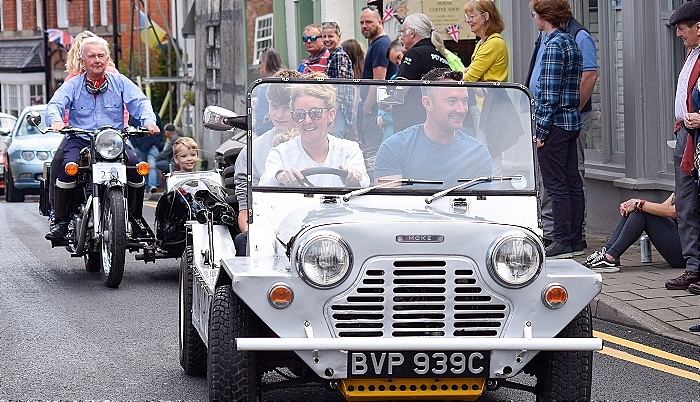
column 371, row 7
column 311, row 38
column 329, row 24
column 315, row 113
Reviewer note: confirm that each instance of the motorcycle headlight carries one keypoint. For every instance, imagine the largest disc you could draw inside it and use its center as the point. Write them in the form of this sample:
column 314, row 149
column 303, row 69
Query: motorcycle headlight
column 515, row 260
column 109, row 144
column 324, row 261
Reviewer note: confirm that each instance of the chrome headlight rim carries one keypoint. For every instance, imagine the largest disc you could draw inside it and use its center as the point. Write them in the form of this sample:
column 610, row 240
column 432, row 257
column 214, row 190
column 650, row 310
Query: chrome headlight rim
column 493, row 252
column 305, row 243
column 106, row 136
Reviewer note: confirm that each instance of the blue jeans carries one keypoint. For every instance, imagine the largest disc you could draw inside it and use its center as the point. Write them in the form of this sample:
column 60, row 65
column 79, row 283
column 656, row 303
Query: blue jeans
column 340, row 124
column 153, row 177
column 663, row 233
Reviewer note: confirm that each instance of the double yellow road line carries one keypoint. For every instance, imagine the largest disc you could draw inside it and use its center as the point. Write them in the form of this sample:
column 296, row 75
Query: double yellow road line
column 650, row 351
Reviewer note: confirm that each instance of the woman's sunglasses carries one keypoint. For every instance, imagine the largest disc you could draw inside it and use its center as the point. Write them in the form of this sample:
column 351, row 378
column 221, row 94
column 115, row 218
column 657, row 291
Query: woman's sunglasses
column 311, row 38
column 315, row 113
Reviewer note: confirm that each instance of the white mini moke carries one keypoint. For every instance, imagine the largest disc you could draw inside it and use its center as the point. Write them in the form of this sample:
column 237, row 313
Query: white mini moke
column 399, row 263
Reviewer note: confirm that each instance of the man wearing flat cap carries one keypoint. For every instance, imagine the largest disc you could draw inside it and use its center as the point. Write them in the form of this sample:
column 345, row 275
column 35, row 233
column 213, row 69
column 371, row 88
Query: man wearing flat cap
column 687, row 22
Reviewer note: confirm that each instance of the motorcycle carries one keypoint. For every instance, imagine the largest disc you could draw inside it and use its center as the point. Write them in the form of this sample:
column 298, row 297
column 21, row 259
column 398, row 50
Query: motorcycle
column 101, row 228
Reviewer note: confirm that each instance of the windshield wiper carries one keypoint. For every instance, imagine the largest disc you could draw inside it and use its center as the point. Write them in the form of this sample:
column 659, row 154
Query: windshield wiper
column 407, row 182
column 468, row 183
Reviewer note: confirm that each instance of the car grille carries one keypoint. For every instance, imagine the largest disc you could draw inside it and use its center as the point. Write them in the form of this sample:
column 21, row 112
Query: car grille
column 418, row 297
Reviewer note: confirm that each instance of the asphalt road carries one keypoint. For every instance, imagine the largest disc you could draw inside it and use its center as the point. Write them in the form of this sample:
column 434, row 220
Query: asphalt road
column 63, row 335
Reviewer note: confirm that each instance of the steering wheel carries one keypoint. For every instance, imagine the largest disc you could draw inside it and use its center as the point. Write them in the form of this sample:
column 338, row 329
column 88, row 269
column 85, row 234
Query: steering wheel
column 343, row 174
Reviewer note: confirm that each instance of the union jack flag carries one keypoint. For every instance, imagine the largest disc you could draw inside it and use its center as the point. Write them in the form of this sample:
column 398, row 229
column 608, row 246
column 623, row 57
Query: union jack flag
column 59, row 36
column 453, row 31
column 388, row 13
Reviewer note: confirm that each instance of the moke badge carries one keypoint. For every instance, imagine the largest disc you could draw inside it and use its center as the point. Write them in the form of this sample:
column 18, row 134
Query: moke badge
column 420, row 238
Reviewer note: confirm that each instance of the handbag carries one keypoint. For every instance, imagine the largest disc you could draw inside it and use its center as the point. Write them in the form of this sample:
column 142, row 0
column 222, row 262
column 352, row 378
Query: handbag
column 500, row 121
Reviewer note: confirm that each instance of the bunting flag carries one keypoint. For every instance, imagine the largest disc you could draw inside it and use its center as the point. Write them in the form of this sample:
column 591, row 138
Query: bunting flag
column 59, row 36
column 157, row 38
column 453, row 31
column 388, row 13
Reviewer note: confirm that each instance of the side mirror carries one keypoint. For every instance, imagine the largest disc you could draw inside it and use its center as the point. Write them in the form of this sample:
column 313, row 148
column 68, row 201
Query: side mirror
column 220, row 119
column 33, row 119
column 390, row 95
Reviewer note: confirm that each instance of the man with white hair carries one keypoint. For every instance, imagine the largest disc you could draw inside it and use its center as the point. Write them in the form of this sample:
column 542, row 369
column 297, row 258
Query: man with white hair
column 95, row 99
column 424, row 52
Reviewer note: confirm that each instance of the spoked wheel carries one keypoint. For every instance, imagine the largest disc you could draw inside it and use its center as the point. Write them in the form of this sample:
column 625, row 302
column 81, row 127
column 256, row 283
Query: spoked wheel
column 113, row 248
column 231, row 375
column 567, row 375
column 193, row 352
column 92, row 261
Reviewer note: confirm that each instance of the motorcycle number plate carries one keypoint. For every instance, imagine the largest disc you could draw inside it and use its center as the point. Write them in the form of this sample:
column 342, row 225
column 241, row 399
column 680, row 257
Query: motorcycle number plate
column 107, row 172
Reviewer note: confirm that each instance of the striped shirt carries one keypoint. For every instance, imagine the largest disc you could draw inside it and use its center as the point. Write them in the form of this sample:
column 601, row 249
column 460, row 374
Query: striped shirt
column 316, row 64
column 557, row 93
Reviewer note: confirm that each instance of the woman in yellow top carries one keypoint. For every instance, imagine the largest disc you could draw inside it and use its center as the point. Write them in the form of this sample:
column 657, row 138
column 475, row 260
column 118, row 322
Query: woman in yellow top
column 490, row 58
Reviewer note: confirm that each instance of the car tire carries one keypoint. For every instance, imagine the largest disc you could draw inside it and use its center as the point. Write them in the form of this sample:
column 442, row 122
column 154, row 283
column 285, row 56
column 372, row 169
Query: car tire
column 193, row 352
column 12, row 194
column 231, row 375
column 231, row 155
column 567, row 375
column 229, row 171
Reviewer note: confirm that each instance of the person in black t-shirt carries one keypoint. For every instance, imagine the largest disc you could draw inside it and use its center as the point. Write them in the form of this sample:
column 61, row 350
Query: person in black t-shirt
column 424, row 52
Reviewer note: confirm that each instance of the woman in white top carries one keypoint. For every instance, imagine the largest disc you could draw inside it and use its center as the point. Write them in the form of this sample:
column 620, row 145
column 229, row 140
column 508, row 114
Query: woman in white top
column 313, row 113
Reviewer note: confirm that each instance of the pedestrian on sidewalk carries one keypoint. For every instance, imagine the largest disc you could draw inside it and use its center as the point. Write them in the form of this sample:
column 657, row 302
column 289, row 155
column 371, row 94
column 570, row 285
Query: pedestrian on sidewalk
column 558, row 122
column 658, row 220
column 589, row 76
column 686, row 19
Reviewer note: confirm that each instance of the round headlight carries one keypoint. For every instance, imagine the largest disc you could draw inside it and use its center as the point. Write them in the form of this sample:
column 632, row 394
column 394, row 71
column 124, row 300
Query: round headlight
column 43, row 155
column 515, row 260
column 324, row 261
column 27, row 155
column 109, row 144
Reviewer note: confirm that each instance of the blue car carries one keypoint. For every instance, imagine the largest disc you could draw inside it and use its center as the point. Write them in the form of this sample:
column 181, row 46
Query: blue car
column 24, row 155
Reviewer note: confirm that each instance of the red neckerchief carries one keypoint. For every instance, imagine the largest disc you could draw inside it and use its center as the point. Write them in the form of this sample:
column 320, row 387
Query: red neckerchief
column 96, row 84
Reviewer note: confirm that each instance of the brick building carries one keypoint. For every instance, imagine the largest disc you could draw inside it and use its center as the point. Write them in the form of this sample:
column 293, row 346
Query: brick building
column 23, row 75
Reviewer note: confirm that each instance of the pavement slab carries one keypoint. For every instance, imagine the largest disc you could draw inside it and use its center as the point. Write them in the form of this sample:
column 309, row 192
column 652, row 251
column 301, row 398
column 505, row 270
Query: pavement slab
column 636, row 296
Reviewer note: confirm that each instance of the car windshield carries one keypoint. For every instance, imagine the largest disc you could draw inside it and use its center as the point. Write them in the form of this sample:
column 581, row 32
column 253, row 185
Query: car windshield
column 420, row 137
column 6, row 124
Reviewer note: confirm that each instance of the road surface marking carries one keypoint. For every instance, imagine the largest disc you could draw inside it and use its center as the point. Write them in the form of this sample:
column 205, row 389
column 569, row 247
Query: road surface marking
column 647, row 349
column 649, row 363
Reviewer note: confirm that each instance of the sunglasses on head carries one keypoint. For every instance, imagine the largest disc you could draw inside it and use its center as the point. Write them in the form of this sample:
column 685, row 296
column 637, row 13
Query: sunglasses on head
column 371, row 7
column 329, row 24
column 315, row 113
column 311, row 38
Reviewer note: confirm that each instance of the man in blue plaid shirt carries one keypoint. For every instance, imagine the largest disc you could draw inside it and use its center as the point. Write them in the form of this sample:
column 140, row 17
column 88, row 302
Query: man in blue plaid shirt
column 558, row 123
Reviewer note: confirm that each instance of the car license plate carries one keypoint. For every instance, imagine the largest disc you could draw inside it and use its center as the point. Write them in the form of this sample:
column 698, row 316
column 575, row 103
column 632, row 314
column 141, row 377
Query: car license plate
column 104, row 172
column 418, row 364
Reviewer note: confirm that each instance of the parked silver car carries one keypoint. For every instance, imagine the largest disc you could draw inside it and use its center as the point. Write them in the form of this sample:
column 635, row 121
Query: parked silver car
column 25, row 152
column 405, row 276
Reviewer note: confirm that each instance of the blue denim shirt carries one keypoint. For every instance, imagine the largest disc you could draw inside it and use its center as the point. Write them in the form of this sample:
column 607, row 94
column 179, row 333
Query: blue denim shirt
column 91, row 112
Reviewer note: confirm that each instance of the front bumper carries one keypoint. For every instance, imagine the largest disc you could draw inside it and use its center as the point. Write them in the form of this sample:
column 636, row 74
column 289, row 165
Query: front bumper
column 418, row 344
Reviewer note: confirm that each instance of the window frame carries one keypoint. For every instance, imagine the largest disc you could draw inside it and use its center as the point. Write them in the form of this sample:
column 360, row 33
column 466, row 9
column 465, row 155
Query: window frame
column 262, row 42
